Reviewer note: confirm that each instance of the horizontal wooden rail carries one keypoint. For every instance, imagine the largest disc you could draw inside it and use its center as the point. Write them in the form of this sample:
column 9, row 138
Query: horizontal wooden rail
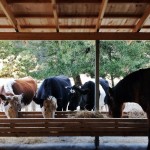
column 73, row 127
column 58, row 114
column 33, row 124
column 38, row 114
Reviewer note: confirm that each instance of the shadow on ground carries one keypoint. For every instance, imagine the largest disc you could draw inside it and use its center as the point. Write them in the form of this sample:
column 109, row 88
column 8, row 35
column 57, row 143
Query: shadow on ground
column 58, row 146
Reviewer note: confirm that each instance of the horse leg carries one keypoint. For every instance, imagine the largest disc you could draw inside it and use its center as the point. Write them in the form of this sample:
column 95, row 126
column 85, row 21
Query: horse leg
column 148, row 148
column 148, row 116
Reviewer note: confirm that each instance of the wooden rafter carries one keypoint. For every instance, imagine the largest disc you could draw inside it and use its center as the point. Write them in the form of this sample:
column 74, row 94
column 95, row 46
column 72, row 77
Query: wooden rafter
column 55, row 14
column 142, row 20
column 4, row 6
column 101, row 14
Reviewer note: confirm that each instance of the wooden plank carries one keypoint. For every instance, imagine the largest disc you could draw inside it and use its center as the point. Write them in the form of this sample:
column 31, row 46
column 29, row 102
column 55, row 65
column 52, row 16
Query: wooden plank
column 54, row 7
column 81, row 120
column 101, row 14
column 73, row 127
column 71, row 134
column 38, row 114
column 75, row 16
column 79, row 129
column 142, row 20
column 72, row 26
column 33, row 134
column 75, row 36
column 77, row 1
column 4, row 6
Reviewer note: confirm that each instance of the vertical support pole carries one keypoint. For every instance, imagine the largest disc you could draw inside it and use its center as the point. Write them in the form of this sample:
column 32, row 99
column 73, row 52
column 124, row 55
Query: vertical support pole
column 97, row 76
column 97, row 87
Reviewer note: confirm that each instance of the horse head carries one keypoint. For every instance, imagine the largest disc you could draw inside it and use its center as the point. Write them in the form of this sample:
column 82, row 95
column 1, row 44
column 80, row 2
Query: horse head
column 115, row 106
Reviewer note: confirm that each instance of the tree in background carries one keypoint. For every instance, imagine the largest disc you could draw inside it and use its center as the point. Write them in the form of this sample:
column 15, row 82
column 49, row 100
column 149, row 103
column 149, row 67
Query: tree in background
column 16, row 59
column 118, row 58
column 41, row 59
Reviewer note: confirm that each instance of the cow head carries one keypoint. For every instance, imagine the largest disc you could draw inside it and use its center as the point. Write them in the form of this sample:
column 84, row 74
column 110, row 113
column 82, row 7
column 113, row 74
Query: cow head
column 49, row 107
column 75, row 97
column 12, row 105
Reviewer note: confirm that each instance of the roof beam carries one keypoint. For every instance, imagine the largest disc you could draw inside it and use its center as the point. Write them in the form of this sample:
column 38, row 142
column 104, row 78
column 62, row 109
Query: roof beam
column 55, row 14
column 142, row 20
column 99, row 1
column 74, row 36
column 78, row 1
column 73, row 27
column 79, row 26
column 101, row 14
column 4, row 6
column 74, row 16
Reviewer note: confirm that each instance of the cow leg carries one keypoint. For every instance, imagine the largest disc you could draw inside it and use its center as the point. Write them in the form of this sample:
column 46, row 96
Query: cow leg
column 59, row 105
column 65, row 106
column 59, row 108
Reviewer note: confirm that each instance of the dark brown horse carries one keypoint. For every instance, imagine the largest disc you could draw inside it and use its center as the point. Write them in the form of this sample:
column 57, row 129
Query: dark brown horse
column 16, row 94
column 135, row 87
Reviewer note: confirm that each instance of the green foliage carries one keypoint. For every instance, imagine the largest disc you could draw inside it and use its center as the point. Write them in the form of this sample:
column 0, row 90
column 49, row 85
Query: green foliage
column 120, row 58
column 41, row 59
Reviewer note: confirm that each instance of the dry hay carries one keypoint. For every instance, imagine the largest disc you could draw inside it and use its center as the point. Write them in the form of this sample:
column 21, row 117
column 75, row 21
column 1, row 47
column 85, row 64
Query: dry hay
column 136, row 114
column 88, row 114
column 134, row 110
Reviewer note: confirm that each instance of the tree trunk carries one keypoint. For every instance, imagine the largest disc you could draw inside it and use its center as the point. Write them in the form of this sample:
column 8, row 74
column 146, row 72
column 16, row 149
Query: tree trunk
column 112, row 81
column 77, row 80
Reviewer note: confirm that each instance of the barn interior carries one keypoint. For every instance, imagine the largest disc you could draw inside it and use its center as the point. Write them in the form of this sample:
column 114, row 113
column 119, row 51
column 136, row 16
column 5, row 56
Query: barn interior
column 74, row 20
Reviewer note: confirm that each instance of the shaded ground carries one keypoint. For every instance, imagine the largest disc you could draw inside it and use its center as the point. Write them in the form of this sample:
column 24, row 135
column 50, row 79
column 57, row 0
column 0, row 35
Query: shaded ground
column 72, row 140
column 67, row 146
column 73, row 143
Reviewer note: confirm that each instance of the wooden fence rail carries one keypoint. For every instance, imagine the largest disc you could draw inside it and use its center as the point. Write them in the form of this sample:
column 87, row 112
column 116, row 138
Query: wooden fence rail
column 33, row 124
column 72, row 127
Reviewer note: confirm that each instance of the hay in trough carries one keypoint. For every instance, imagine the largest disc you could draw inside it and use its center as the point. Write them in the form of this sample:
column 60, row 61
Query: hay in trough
column 88, row 114
column 137, row 114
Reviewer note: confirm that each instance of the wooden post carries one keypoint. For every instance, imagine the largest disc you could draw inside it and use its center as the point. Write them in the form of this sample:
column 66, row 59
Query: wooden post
column 97, row 87
column 97, row 77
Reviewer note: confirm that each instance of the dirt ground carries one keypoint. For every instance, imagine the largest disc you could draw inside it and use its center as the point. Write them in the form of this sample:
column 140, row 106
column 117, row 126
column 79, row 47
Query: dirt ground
column 72, row 139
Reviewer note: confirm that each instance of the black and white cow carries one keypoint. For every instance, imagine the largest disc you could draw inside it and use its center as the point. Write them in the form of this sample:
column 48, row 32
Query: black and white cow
column 87, row 95
column 56, row 88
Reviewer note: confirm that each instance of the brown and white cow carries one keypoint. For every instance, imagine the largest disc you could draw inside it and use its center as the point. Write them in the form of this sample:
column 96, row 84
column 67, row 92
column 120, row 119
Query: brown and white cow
column 16, row 94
